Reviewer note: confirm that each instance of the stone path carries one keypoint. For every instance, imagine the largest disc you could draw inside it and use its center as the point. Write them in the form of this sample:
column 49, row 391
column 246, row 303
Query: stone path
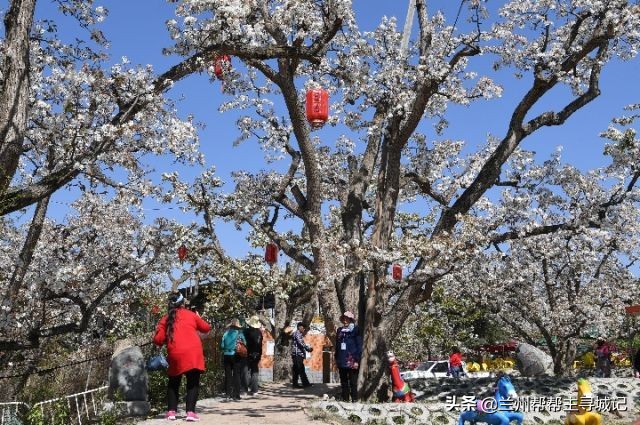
column 275, row 404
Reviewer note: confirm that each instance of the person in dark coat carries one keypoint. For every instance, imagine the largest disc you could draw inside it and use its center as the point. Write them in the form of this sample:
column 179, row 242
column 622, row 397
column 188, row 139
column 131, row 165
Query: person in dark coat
column 253, row 335
column 348, row 352
column 178, row 329
column 298, row 353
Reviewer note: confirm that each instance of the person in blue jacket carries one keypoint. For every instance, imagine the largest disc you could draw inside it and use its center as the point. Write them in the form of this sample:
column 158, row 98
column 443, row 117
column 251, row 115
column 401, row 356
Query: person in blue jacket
column 348, row 352
column 233, row 362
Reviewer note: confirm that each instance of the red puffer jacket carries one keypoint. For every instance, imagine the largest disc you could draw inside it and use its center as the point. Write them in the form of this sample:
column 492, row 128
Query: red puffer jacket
column 185, row 350
column 455, row 360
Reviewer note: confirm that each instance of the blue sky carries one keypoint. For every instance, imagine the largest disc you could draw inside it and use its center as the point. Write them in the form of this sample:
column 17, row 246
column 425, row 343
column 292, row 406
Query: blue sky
column 136, row 29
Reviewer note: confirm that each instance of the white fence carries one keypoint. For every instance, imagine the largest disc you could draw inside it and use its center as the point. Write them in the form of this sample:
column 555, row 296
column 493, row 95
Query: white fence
column 11, row 411
column 78, row 409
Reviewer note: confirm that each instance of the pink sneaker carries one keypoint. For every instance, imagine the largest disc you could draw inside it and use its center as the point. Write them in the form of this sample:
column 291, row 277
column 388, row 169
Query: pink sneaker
column 171, row 415
column 192, row 417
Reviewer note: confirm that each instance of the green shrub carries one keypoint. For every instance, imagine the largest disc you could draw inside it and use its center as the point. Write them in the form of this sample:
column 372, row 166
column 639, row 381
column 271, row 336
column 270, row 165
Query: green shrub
column 58, row 414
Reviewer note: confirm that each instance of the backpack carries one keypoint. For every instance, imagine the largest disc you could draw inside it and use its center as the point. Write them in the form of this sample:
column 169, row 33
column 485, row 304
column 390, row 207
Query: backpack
column 241, row 348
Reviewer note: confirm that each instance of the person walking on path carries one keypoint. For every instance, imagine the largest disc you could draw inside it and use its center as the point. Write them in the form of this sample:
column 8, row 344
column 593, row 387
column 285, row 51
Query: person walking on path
column 298, row 353
column 178, row 329
column 348, row 352
column 253, row 335
column 455, row 363
column 603, row 358
column 233, row 362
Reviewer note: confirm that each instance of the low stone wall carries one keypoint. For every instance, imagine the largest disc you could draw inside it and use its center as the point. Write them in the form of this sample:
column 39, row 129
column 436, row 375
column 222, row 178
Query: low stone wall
column 439, row 401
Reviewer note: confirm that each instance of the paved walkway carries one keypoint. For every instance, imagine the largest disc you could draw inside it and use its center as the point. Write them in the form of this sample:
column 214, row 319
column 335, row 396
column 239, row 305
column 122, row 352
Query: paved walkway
column 275, row 404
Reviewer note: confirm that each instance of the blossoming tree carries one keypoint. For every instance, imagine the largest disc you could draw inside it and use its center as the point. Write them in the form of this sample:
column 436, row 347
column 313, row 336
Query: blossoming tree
column 575, row 281
column 70, row 123
column 350, row 197
column 346, row 194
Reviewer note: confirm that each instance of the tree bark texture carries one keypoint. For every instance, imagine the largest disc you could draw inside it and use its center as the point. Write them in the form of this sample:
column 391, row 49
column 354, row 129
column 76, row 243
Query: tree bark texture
column 373, row 364
column 28, row 249
column 14, row 87
column 282, row 353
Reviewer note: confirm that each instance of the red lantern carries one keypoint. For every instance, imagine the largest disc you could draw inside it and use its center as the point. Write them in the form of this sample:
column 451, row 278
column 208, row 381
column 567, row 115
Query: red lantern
column 182, row 252
column 155, row 310
column 221, row 65
column 317, row 107
column 271, row 254
column 396, row 272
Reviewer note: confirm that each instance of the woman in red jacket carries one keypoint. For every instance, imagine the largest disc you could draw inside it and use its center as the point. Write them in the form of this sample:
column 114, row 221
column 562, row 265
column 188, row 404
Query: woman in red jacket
column 179, row 330
column 455, row 363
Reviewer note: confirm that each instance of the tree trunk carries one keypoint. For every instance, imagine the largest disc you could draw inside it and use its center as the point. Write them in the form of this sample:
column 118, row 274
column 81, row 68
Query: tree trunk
column 14, row 87
column 28, row 249
column 373, row 364
column 282, row 362
column 282, row 350
column 565, row 353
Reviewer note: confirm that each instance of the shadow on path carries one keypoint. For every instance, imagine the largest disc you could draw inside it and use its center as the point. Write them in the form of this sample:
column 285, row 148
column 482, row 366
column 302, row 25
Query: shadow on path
column 276, row 404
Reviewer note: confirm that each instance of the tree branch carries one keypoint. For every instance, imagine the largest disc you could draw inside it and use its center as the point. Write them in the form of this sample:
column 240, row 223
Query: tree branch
column 291, row 251
column 425, row 187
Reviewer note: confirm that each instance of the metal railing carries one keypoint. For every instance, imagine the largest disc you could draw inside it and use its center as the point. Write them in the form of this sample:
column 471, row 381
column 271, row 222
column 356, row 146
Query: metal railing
column 11, row 411
column 80, row 408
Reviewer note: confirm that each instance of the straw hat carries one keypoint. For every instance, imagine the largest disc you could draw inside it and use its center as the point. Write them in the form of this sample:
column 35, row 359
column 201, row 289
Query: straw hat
column 254, row 322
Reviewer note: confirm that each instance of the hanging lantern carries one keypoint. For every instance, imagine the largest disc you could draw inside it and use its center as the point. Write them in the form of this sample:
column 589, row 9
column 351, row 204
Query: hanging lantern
column 271, row 254
column 182, row 252
column 396, row 272
column 221, row 65
column 317, row 107
column 155, row 310
column 249, row 292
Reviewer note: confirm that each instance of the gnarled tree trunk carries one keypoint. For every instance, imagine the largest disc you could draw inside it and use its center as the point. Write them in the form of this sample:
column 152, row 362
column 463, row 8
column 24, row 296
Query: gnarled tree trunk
column 14, row 87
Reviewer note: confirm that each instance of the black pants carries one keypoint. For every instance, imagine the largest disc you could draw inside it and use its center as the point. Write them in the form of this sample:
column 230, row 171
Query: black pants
column 173, row 388
column 233, row 371
column 349, row 383
column 298, row 370
column 254, row 373
column 603, row 368
column 241, row 363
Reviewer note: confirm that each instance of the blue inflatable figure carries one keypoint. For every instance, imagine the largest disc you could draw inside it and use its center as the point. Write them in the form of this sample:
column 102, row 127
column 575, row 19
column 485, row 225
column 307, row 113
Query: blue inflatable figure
column 501, row 413
column 506, row 390
column 481, row 415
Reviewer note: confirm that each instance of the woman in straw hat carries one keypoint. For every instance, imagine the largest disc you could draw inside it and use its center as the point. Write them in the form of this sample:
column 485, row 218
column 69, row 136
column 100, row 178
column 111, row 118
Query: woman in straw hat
column 253, row 335
column 348, row 351
column 233, row 362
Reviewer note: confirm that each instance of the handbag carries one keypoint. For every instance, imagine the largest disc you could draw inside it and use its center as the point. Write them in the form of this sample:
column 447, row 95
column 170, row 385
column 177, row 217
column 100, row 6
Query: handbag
column 241, row 348
column 157, row 362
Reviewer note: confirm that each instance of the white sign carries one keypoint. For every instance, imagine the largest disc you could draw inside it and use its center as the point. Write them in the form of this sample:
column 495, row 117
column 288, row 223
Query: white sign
column 271, row 346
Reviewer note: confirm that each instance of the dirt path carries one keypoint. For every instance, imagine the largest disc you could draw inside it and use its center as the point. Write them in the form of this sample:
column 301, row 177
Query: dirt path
column 275, row 404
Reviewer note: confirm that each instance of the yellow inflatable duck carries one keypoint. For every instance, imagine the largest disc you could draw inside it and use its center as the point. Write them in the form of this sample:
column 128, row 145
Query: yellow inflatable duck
column 583, row 416
column 473, row 367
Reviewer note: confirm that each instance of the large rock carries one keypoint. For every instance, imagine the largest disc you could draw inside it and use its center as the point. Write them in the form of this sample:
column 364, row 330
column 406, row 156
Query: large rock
column 532, row 361
column 128, row 375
